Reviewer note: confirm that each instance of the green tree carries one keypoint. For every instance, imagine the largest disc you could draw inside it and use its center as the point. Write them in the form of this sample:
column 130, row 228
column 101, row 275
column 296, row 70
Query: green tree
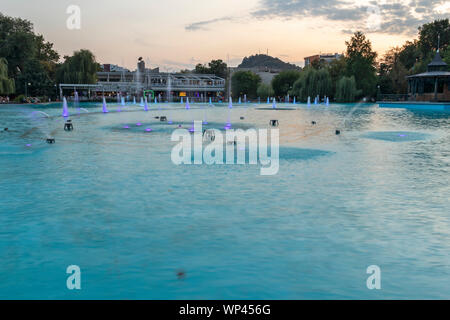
column 392, row 72
column 361, row 63
column 337, row 69
column 6, row 84
column 79, row 68
column 312, row 82
column 245, row 82
column 218, row 68
column 346, row 90
column 265, row 91
column 428, row 36
column 283, row 82
column 28, row 54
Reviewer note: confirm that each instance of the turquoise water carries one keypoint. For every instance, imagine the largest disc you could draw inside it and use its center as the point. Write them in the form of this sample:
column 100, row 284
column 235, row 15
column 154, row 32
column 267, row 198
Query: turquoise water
column 110, row 200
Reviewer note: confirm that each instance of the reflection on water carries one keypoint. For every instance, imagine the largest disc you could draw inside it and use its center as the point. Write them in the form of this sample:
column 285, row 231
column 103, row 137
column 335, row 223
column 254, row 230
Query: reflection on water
column 111, row 201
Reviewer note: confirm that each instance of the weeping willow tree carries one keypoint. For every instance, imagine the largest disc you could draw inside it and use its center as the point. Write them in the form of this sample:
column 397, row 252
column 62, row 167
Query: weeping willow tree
column 7, row 85
column 346, row 90
column 79, row 68
column 311, row 83
column 265, row 91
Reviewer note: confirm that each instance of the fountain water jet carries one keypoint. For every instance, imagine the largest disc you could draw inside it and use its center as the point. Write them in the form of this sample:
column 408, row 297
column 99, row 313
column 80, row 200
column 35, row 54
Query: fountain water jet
column 274, row 103
column 65, row 113
column 105, row 109
column 145, row 104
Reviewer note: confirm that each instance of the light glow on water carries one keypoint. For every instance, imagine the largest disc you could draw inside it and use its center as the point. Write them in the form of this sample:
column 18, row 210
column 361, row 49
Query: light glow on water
column 115, row 204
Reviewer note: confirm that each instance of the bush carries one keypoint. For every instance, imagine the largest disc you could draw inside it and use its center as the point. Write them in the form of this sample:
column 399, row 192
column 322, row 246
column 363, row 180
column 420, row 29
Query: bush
column 20, row 98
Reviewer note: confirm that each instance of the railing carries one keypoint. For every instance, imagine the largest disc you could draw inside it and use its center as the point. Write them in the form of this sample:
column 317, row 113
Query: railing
column 393, row 97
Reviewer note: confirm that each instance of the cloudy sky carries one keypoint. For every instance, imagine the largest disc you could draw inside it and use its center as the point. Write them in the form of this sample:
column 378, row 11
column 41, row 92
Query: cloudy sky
column 177, row 34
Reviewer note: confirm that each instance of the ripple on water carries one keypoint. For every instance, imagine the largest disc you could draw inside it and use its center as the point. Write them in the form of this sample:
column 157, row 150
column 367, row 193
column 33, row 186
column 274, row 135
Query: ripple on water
column 396, row 136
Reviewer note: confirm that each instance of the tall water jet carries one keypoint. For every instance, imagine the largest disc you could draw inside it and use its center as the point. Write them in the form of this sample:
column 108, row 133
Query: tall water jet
column 118, row 98
column 328, row 101
column 274, row 103
column 295, row 100
column 122, row 101
column 240, row 101
column 182, row 100
column 169, row 88
column 230, row 107
column 76, row 100
column 145, row 104
column 309, row 101
column 187, row 104
column 142, row 102
column 268, row 100
column 210, row 101
column 134, row 100
column 105, row 109
column 65, row 112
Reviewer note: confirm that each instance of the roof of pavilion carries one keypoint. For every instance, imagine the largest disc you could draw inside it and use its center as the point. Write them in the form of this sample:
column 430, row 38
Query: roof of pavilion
column 437, row 66
column 437, row 61
column 432, row 74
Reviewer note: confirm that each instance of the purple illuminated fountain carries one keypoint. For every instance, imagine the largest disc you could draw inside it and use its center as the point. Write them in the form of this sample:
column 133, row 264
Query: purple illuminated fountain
column 145, row 104
column 105, row 109
column 65, row 113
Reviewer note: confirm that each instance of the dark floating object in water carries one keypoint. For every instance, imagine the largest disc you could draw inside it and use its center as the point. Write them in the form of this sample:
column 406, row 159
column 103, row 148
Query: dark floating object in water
column 338, row 132
column 51, row 141
column 156, row 117
column 6, row 129
column 313, row 123
column 68, row 126
column 209, row 135
column 163, row 119
column 242, row 118
column 181, row 274
column 274, row 123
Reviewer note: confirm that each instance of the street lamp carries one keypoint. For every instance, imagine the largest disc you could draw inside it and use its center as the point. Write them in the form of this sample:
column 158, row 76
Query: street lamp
column 26, row 88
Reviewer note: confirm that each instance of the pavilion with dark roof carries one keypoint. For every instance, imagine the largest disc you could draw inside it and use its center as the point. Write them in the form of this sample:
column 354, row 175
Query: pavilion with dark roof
column 433, row 85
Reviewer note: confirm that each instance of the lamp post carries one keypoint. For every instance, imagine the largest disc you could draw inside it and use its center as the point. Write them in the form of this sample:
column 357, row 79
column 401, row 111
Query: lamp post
column 26, row 88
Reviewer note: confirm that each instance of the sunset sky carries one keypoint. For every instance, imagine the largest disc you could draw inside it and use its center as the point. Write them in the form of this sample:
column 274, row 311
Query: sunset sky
column 177, row 34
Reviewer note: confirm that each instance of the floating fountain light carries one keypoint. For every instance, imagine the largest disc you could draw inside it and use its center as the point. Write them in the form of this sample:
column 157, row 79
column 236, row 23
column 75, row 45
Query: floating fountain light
column 242, row 118
column 313, row 123
column 50, row 141
column 126, row 127
column 163, row 119
column 148, row 130
column 338, row 132
column 139, row 124
column 28, row 145
column 274, row 123
column 68, row 126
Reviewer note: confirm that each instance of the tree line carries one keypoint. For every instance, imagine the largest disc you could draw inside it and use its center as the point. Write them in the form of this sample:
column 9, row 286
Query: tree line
column 30, row 65
column 357, row 74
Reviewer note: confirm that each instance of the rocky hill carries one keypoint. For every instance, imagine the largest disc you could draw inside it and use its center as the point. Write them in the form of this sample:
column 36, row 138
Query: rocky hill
column 265, row 61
